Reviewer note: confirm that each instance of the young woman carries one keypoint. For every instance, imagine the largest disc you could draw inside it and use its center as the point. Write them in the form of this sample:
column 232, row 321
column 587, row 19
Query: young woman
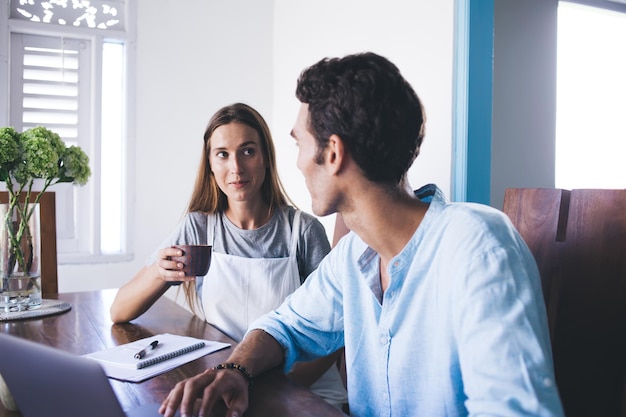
column 263, row 248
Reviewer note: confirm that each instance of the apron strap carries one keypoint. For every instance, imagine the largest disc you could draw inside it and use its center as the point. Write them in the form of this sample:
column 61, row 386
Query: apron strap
column 210, row 228
column 295, row 233
column 210, row 235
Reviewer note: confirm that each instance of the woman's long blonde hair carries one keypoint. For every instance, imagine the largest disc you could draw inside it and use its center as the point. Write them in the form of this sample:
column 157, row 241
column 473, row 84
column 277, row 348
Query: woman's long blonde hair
column 207, row 196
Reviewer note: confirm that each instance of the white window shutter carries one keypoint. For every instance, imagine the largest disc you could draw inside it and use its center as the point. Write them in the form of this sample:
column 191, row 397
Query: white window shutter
column 51, row 87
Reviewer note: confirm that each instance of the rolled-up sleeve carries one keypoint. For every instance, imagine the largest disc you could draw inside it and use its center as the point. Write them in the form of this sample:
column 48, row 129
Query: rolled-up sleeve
column 309, row 323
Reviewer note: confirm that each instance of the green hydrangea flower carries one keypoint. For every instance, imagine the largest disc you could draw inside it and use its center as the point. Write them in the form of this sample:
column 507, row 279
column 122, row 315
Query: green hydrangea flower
column 24, row 157
column 41, row 159
column 42, row 154
column 75, row 166
column 49, row 136
column 9, row 150
column 9, row 145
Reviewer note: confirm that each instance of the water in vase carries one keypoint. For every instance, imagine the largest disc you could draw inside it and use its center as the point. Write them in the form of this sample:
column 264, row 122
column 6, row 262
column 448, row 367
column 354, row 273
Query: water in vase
column 19, row 293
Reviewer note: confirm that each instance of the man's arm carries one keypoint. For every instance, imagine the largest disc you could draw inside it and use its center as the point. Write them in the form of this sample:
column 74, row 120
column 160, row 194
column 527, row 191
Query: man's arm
column 307, row 373
column 257, row 353
column 502, row 331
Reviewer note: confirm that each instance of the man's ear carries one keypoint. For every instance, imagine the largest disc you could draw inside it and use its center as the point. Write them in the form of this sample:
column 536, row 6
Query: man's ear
column 335, row 155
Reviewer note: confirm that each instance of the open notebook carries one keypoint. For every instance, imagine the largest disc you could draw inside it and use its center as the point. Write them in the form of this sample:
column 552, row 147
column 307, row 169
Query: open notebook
column 170, row 352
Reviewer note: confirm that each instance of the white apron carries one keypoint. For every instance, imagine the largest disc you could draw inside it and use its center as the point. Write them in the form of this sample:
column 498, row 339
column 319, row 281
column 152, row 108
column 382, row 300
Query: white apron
column 237, row 290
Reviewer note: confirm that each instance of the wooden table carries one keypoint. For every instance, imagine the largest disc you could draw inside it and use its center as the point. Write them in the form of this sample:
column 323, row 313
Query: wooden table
column 87, row 328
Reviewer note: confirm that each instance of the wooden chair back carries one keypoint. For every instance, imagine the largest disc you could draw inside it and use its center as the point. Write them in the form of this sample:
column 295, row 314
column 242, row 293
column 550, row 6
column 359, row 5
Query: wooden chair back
column 47, row 217
column 578, row 239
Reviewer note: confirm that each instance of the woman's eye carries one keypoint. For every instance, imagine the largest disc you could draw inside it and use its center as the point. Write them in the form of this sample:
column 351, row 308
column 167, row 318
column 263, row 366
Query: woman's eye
column 221, row 154
column 249, row 151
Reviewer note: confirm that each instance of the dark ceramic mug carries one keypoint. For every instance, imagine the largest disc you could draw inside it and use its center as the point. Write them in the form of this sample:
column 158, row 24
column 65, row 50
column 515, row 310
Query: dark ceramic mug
column 196, row 259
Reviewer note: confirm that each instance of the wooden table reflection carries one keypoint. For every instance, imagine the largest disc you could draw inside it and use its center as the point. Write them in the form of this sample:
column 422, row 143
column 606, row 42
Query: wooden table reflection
column 87, row 328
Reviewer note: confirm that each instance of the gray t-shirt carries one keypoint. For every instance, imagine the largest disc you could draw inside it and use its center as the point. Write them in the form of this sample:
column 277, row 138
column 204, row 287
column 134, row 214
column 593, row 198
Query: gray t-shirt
column 271, row 240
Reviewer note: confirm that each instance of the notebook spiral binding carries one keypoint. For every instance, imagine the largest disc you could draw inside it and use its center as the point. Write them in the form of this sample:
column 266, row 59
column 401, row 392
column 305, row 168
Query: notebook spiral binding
column 169, row 355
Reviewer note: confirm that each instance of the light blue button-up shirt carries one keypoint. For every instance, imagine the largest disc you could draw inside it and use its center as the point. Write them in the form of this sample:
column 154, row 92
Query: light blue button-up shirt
column 461, row 329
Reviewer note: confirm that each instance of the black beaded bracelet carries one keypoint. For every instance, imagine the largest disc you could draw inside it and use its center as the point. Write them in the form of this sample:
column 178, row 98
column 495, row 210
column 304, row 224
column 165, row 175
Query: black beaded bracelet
column 232, row 365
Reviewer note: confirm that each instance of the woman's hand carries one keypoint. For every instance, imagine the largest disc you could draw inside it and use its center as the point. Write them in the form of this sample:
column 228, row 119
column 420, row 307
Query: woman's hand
column 170, row 270
column 150, row 283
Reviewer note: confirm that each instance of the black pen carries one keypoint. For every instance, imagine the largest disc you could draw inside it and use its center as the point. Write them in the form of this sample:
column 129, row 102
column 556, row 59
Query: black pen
column 145, row 350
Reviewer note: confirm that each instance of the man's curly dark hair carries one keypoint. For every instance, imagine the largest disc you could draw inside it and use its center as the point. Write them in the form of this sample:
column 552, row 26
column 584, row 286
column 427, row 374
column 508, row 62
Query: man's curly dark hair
column 365, row 100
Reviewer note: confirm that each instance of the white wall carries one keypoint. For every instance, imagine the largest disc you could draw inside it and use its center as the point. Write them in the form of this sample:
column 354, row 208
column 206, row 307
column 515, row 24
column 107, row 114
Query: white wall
column 194, row 59
column 524, row 96
column 416, row 36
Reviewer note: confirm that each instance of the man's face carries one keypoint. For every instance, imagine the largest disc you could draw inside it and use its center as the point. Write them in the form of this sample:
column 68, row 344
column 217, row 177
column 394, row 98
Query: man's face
column 315, row 175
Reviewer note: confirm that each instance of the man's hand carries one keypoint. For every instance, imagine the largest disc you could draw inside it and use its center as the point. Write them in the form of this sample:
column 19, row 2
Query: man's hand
column 229, row 385
column 257, row 353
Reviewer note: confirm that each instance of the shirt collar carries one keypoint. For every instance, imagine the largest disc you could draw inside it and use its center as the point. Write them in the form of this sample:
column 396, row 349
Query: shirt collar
column 428, row 193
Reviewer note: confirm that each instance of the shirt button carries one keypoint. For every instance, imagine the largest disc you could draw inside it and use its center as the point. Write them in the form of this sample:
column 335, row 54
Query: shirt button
column 547, row 382
column 396, row 264
column 383, row 340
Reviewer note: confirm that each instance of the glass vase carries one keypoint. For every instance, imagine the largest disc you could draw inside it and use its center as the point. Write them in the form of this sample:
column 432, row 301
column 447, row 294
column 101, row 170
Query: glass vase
column 20, row 259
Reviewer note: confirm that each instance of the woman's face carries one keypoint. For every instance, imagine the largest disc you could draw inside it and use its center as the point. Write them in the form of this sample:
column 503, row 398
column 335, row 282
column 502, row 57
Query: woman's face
column 237, row 162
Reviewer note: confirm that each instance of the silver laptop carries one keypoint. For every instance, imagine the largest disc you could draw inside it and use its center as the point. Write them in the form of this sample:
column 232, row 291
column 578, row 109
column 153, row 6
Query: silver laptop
column 49, row 382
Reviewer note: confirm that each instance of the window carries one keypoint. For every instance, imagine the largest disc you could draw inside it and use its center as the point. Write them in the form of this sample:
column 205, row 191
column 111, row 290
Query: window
column 591, row 98
column 69, row 67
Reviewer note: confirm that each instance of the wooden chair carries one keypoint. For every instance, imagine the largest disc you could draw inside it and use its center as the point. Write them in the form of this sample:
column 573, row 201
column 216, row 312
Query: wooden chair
column 47, row 213
column 578, row 239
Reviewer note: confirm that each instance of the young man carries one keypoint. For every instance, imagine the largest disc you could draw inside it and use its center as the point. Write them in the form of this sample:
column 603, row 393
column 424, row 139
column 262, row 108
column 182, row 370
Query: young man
column 439, row 305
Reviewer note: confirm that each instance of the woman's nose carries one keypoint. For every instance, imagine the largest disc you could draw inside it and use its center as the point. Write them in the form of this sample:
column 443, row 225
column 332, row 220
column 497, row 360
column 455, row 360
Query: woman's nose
column 235, row 165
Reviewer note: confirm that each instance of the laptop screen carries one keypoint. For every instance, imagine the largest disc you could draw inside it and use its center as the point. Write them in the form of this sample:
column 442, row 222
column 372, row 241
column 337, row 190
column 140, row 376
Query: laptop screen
column 45, row 381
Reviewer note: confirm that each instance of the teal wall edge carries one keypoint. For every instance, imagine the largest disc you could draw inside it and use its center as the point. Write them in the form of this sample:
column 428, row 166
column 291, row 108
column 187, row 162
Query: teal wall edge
column 471, row 171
